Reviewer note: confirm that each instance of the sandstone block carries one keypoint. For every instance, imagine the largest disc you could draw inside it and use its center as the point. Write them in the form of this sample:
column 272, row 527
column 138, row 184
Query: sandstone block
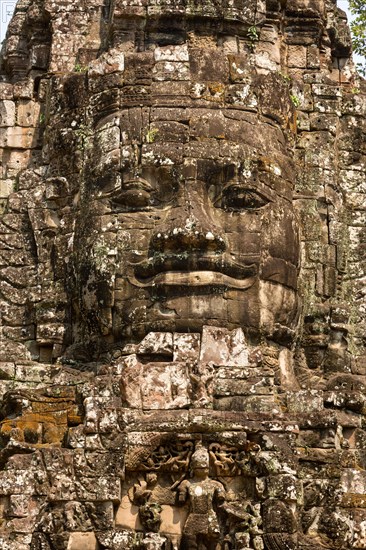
column 170, row 70
column 7, row 113
column 82, row 541
column 238, row 67
column 7, row 370
column 224, row 347
column 186, row 346
column 359, row 536
column 353, row 481
column 155, row 343
column 35, row 373
column 285, row 487
column 6, row 91
column 28, row 113
column 127, row 514
column 18, row 138
column 23, row 89
column 21, row 506
column 171, row 53
column 98, row 488
column 155, row 385
column 50, row 333
column 6, row 187
column 305, row 401
column 265, row 404
column 297, row 56
column 16, row 160
column 16, row 483
column 250, row 386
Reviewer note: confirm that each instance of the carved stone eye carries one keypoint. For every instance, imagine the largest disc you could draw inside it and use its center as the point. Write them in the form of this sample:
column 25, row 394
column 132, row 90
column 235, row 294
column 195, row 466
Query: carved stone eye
column 237, row 196
column 135, row 195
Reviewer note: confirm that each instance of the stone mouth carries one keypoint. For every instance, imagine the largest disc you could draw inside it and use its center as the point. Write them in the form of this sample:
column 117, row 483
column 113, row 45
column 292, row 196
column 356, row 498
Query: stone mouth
column 193, row 271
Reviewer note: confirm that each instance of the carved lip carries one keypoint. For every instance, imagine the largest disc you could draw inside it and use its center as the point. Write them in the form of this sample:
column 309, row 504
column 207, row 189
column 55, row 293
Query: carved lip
column 193, row 271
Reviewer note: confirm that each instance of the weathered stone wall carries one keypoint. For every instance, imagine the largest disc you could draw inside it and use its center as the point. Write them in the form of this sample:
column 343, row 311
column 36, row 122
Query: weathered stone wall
column 182, row 277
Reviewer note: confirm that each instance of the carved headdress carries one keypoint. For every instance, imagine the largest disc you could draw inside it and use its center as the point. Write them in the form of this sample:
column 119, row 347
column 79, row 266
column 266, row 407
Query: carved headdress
column 35, row 44
column 200, row 458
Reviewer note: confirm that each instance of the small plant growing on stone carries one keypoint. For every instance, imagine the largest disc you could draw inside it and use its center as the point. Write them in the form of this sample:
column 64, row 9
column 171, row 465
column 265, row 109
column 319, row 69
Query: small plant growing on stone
column 286, row 78
column 151, row 135
column 253, row 36
column 42, row 118
column 78, row 68
column 295, row 100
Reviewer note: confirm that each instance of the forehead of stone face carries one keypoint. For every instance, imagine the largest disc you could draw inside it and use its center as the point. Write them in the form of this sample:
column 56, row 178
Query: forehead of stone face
column 97, row 120
column 167, row 145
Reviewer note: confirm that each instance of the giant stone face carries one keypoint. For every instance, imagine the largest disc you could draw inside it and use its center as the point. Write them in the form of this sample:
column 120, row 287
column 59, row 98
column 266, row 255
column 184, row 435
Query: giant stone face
column 186, row 220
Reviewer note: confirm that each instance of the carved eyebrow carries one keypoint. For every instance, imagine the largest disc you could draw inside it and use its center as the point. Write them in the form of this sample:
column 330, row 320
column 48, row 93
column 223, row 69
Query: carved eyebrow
column 136, row 182
column 260, row 163
column 230, row 173
column 217, row 172
column 131, row 183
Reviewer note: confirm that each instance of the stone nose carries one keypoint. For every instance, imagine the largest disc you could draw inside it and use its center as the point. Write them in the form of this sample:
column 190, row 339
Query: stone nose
column 190, row 227
column 189, row 236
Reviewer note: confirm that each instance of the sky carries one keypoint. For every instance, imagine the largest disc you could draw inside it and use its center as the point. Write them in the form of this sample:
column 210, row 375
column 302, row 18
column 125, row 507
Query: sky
column 6, row 11
column 7, row 8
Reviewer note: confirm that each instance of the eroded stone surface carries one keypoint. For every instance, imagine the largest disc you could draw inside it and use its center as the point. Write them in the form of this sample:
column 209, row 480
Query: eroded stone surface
column 182, row 325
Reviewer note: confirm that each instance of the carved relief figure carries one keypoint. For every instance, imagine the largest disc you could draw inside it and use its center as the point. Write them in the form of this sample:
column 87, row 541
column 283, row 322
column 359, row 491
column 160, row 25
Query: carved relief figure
column 205, row 496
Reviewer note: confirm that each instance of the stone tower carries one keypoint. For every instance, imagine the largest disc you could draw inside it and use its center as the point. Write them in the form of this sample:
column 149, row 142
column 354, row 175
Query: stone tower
column 182, row 277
